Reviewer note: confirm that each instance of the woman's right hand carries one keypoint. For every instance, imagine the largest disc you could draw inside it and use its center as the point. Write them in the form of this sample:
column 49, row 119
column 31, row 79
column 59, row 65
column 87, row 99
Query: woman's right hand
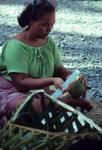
column 58, row 82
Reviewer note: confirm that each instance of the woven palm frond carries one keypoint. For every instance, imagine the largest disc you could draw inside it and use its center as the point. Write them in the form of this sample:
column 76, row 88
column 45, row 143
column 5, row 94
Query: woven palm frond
column 21, row 137
column 52, row 129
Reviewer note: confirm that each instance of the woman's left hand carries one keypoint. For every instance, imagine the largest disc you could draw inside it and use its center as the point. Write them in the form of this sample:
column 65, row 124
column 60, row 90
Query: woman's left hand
column 81, row 82
column 84, row 82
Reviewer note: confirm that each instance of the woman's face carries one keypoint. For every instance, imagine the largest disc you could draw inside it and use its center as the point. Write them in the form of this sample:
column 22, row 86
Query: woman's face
column 41, row 28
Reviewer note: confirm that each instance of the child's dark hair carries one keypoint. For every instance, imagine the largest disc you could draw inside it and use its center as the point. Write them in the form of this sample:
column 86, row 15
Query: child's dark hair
column 87, row 143
column 34, row 12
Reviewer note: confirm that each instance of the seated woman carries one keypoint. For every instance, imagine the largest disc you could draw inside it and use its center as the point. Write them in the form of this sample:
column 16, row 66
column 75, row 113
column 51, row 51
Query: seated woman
column 32, row 60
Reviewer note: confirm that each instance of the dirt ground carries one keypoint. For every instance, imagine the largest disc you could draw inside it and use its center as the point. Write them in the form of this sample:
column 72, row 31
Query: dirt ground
column 78, row 32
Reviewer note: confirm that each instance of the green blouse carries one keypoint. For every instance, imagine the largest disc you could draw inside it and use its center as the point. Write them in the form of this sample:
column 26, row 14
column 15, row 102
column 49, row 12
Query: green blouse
column 37, row 62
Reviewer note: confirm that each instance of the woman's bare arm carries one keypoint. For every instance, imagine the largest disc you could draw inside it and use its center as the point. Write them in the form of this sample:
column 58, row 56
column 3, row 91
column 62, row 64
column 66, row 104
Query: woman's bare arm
column 24, row 83
column 62, row 72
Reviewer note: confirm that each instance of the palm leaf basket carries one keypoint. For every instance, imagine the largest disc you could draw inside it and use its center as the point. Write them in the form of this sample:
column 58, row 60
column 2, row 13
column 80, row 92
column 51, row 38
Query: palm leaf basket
column 51, row 130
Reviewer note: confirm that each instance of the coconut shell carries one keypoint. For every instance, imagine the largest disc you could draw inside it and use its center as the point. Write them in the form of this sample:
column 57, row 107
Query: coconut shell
column 77, row 89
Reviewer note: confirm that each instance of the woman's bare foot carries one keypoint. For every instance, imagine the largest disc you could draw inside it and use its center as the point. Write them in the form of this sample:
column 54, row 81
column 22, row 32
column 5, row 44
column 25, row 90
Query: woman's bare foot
column 85, row 104
column 82, row 103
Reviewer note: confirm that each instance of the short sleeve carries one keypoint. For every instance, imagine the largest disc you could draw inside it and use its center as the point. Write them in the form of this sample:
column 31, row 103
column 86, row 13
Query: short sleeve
column 15, row 58
column 57, row 55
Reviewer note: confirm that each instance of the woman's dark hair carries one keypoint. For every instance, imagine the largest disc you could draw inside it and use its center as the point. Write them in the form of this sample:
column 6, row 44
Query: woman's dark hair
column 34, row 12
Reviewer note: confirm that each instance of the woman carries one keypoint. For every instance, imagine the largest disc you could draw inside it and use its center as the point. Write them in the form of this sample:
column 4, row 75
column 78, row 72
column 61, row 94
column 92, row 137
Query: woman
column 32, row 59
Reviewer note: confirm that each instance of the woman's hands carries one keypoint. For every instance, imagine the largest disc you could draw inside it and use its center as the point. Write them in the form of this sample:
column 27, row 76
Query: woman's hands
column 83, row 80
column 77, row 88
column 71, row 100
column 58, row 82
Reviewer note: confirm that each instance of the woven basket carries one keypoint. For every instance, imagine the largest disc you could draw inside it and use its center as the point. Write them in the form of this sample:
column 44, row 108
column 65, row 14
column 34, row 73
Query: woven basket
column 51, row 130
